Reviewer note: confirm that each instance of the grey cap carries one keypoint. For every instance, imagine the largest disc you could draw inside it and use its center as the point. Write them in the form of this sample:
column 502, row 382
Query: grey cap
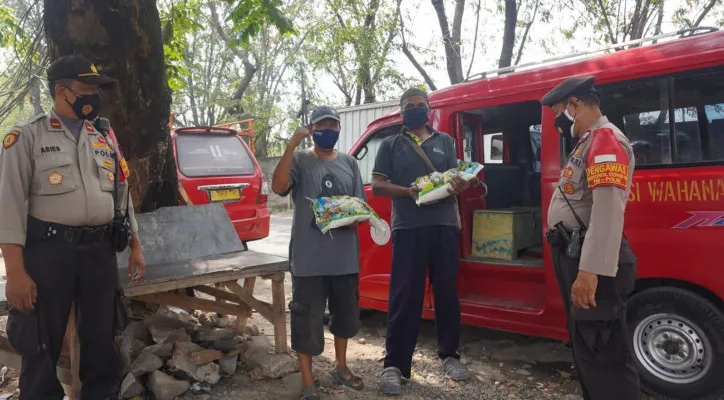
column 569, row 87
column 324, row 112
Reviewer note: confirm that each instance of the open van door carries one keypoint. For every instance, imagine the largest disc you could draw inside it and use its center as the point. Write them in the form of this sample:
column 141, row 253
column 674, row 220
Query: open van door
column 469, row 129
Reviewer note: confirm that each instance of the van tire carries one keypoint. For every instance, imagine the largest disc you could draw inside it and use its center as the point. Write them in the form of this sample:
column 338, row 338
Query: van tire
column 680, row 322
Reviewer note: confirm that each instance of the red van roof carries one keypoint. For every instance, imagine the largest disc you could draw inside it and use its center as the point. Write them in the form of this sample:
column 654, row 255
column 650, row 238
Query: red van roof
column 692, row 52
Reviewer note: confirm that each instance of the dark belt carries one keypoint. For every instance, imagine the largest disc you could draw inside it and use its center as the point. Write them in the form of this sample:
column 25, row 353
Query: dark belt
column 41, row 231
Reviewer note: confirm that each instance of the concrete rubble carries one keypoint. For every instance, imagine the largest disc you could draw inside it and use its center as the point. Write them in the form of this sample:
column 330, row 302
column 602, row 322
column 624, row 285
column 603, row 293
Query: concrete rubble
column 174, row 352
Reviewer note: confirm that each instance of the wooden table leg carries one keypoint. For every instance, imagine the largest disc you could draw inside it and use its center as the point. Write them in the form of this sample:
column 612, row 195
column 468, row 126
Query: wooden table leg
column 249, row 284
column 280, row 315
column 72, row 343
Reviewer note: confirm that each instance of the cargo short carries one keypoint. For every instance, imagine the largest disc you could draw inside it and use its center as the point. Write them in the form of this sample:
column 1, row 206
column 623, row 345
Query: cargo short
column 310, row 296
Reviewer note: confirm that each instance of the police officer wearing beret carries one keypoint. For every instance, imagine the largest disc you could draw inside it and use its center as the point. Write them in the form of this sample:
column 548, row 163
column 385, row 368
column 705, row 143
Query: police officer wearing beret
column 58, row 176
column 594, row 265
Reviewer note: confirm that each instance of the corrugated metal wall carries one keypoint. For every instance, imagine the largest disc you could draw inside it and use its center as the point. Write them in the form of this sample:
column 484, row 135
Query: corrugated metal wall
column 355, row 120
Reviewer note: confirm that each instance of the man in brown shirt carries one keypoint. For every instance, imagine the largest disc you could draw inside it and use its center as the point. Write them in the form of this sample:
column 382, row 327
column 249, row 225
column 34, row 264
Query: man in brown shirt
column 595, row 275
column 57, row 184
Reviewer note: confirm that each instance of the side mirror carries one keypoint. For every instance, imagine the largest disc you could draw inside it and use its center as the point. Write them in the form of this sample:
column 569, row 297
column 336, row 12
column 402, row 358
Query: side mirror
column 362, row 153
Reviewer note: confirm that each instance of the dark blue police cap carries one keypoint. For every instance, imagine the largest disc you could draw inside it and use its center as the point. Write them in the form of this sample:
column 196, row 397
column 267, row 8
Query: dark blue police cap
column 569, row 87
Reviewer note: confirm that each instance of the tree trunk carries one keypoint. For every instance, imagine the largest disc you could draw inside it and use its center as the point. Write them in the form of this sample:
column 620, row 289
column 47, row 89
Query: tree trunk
column 451, row 40
column 124, row 38
column 511, row 19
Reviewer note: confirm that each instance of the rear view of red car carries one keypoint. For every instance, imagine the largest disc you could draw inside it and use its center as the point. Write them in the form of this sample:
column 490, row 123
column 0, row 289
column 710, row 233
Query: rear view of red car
column 215, row 165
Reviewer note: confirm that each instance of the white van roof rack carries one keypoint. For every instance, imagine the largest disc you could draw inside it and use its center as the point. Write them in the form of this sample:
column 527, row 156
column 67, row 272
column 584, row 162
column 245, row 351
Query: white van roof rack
column 619, row 46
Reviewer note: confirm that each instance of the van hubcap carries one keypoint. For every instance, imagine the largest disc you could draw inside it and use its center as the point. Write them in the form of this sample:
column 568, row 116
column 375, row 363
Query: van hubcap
column 672, row 348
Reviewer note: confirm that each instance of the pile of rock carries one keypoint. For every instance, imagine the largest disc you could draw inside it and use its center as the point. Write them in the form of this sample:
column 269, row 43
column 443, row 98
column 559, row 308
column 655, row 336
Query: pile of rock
column 174, row 352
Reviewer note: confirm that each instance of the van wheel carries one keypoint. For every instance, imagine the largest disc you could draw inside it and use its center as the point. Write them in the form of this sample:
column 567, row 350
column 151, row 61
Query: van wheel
column 678, row 343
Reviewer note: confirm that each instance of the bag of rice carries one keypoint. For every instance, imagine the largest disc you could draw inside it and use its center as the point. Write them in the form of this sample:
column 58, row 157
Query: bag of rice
column 434, row 187
column 338, row 211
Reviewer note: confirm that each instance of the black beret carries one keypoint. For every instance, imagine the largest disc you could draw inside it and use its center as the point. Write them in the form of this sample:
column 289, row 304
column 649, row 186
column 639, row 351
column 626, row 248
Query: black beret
column 411, row 92
column 569, row 87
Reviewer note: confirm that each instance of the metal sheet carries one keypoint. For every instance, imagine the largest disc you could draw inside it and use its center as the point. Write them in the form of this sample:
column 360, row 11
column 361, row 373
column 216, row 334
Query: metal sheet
column 184, row 233
column 356, row 119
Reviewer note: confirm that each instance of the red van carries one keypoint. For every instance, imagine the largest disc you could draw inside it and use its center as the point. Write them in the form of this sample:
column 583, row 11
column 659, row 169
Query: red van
column 668, row 97
column 215, row 165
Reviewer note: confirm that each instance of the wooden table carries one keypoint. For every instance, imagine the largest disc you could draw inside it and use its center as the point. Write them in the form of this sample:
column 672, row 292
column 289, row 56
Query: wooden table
column 216, row 276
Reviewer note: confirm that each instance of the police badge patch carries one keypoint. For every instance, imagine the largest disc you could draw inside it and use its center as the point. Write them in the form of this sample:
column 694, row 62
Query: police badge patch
column 10, row 139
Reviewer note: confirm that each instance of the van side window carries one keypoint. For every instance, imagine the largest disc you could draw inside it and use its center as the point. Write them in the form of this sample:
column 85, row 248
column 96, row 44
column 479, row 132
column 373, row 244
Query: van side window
column 699, row 117
column 641, row 111
column 672, row 120
column 493, row 148
column 366, row 154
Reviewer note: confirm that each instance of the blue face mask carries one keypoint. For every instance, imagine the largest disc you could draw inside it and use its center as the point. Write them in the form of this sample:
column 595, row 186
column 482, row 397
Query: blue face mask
column 415, row 117
column 325, row 138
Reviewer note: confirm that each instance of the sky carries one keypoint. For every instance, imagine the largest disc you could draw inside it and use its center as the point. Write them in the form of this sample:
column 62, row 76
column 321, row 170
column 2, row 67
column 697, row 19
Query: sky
column 422, row 21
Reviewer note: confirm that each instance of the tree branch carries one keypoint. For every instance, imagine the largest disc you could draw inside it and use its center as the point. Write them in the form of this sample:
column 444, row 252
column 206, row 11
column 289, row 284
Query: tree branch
column 607, row 22
column 475, row 40
column 704, row 12
column 525, row 33
column 406, row 50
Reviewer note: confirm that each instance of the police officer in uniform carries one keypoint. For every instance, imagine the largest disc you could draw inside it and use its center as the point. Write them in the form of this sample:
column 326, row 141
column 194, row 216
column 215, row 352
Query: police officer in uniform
column 594, row 264
column 56, row 191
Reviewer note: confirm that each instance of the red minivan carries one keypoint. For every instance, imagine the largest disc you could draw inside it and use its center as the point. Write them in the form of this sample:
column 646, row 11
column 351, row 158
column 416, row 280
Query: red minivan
column 215, row 165
column 667, row 96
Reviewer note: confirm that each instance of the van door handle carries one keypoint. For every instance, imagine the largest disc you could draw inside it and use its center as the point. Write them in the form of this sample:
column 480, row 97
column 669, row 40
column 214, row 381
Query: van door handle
column 485, row 187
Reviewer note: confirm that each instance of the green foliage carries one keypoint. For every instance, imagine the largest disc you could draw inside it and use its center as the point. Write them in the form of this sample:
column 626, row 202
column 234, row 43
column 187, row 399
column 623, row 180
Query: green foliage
column 251, row 16
column 8, row 26
column 12, row 34
column 178, row 22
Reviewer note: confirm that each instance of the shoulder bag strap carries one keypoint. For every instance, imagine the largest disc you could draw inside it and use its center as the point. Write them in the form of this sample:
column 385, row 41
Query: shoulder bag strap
column 420, row 152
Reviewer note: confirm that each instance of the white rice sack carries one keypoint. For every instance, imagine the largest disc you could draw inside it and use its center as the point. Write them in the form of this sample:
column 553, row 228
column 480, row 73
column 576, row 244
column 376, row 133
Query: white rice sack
column 340, row 211
column 435, row 186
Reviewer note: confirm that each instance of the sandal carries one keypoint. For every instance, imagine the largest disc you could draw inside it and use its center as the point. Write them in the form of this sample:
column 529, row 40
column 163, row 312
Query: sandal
column 310, row 393
column 353, row 382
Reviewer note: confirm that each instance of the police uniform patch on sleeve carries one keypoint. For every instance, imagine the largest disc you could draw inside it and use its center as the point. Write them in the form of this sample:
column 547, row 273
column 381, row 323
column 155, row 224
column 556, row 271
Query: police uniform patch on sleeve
column 55, row 178
column 107, row 164
column 124, row 168
column 607, row 174
column 567, row 172
column 10, row 139
column 607, row 162
column 111, row 177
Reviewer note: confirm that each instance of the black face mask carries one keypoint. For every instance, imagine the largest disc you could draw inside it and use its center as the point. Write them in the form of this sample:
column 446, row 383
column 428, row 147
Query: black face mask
column 563, row 124
column 85, row 106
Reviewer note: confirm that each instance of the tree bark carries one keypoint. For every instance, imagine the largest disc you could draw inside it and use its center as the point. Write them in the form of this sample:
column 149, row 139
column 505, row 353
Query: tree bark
column 123, row 37
column 451, row 40
column 511, row 19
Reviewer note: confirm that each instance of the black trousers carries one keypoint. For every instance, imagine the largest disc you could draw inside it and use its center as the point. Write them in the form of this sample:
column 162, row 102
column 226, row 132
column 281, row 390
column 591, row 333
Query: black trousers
column 66, row 273
column 599, row 336
column 413, row 251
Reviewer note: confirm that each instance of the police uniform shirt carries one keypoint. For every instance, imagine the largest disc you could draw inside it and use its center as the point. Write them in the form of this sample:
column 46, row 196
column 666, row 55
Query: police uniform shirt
column 47, row 174
column 596, row 181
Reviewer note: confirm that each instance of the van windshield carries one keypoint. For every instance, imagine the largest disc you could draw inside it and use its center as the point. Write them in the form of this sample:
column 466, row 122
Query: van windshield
column 211, row 155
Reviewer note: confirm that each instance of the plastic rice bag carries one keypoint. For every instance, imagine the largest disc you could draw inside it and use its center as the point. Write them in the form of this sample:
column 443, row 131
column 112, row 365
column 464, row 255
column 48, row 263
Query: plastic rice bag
column 338, row 211
column 434, row 186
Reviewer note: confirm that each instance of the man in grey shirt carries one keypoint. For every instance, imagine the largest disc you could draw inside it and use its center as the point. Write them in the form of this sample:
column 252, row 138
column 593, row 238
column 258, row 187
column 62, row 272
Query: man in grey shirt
column 425, row 237
column 324, row 267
